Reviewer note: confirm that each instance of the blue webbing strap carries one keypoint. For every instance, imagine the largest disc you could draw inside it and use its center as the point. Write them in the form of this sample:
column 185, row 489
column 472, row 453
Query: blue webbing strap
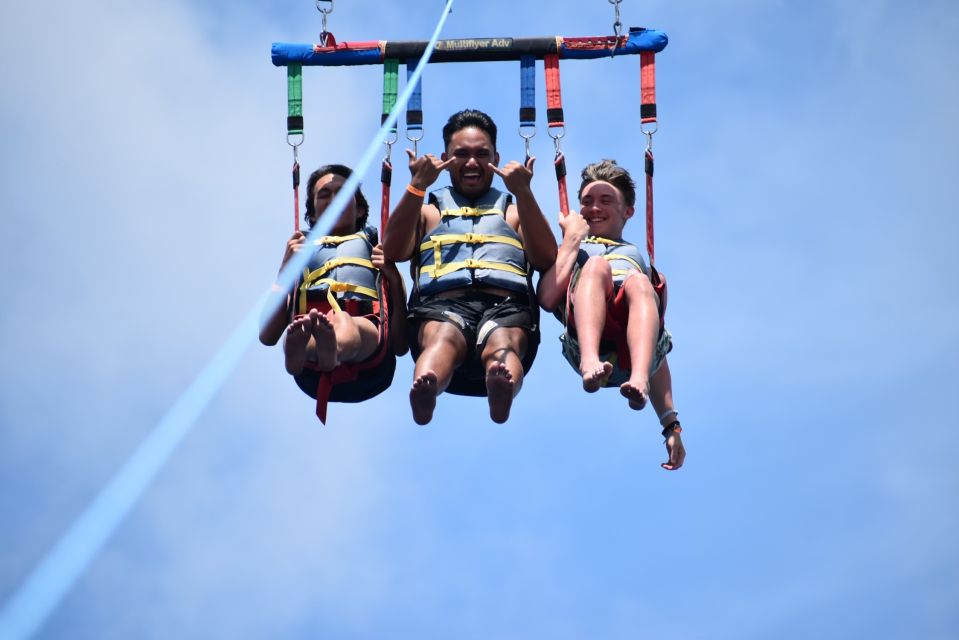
column 414, row 109
column 527, row 91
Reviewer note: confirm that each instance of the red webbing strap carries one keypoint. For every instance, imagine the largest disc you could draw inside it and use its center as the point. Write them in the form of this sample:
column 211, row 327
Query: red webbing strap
column 296, row 195
column 560, row 164
column 554, row 117
column 650, row 242
column 659, row 284
column 647, row 85
column 323, row 389
column 350, row 371
column 554, row 96
column 386, row 178
column 647, row 114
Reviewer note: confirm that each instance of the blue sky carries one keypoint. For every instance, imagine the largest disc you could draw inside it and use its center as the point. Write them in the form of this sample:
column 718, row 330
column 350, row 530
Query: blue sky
column 805, row 196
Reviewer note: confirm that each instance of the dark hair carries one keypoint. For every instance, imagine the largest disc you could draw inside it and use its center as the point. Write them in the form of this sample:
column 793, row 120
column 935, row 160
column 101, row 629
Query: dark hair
column 345, row 172
column 609, row 171
column 469, row 118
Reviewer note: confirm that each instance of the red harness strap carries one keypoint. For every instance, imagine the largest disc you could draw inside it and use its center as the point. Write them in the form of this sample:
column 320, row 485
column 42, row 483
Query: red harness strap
column 350, row 371
column 296, row 195
column 554, row 116
column 647, row 83
column 647, row 115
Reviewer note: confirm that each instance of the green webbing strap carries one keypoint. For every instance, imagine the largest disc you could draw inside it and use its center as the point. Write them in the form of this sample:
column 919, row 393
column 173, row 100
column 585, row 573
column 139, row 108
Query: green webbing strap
column 391, row 68
column 294, row 92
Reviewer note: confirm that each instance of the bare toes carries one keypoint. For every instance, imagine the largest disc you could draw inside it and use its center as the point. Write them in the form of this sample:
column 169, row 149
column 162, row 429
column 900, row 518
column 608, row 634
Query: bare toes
column 635, row 395
column 423, row 397
column 500, row 390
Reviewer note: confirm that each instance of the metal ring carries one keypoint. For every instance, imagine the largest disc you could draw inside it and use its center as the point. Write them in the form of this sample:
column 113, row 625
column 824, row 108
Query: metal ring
column 411, row 138
column 561, row 134
column 289, row 141
column 330, row 10
column 528, row 126
column 642, row 128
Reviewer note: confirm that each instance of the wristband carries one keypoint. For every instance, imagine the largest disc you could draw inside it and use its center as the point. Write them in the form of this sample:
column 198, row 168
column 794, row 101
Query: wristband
column 667, row 414
column 671, row 428
column 419, row 193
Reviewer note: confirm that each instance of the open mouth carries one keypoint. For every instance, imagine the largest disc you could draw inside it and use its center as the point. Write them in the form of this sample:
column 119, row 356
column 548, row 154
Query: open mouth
column 471, row 176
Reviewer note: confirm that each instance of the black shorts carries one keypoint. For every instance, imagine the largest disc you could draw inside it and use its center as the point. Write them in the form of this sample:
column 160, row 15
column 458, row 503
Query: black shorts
column 476, row 315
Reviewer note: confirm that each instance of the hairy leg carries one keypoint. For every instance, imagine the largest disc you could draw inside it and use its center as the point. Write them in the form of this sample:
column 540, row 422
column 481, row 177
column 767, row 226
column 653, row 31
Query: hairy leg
column 502, row 359
column 641, row 329
column 443, row 349
column 593, row 288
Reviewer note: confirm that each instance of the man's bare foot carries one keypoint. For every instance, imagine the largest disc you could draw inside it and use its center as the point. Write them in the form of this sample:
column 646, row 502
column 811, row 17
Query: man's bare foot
column 636, row 392
column 499, row 392
column 423, row 397
column 675, row 449
column 294, row 347
column 325, row 338
column 595, row 375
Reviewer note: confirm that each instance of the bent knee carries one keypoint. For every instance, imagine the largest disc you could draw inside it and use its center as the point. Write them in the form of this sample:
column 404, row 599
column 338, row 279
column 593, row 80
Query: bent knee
column 506, row 339
column 597, row 267
column 637, row 285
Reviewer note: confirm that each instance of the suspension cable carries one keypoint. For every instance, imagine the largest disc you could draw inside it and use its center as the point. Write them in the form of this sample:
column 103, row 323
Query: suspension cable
column 31, row 604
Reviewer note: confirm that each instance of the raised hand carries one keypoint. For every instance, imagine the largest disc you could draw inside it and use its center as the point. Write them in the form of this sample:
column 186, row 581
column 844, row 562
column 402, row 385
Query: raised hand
column 517, row 177
column 378, row 260
column 426, row 169
column 574, row 226
column 293, row 245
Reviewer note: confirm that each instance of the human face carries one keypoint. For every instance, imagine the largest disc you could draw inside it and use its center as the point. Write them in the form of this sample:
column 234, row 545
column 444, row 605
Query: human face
column 324, row 191
column 471, row 150
column 602, row 206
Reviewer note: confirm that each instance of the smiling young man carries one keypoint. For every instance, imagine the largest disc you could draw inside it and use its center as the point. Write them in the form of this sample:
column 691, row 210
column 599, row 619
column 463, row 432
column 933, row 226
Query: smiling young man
column 473, row 314
column 600, row 289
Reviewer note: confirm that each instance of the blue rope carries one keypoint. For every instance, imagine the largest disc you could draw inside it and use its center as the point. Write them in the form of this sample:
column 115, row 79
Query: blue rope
column 35, row 599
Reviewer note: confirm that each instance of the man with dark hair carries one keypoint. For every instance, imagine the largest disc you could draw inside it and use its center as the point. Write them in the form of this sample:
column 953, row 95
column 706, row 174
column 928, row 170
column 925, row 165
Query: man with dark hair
column 473, row 316
column 600, row 289
column 332, row 321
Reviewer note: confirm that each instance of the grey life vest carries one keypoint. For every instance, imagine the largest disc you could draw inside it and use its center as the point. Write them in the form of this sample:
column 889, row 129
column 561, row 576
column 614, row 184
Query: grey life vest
column 472, row 244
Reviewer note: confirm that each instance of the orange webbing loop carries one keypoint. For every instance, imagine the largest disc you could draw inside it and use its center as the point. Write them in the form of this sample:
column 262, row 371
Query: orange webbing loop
column 647, row 85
